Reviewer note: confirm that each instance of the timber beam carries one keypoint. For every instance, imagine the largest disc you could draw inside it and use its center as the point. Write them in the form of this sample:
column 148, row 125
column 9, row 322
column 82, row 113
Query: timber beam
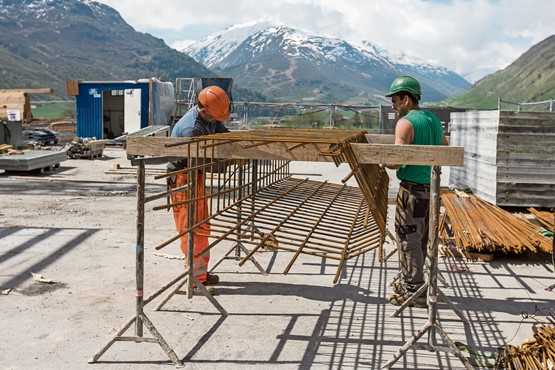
column 307, row 152
column 46, row 90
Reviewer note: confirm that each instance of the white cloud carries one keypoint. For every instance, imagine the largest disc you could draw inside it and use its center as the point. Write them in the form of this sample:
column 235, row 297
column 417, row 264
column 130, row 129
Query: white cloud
column 471, row 37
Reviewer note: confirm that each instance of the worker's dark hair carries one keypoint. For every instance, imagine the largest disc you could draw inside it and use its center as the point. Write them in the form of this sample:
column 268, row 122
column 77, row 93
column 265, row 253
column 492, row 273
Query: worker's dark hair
column 414, row 98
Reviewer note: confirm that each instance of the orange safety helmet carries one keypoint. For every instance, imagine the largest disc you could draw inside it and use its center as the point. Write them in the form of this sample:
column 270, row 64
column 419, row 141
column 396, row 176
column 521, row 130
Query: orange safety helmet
column 216, row 102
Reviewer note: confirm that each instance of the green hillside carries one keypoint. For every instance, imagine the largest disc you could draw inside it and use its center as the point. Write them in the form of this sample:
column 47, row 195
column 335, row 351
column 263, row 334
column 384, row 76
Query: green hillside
column 531, row 78
column 45, row 45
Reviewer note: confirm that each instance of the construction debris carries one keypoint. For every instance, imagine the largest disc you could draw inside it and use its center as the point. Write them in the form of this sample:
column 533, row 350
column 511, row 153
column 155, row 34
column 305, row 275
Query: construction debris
column 470, row 256
column 41, row 279
column 85, row 148
column 476, row 225
column 4, row 148
column 169, row 256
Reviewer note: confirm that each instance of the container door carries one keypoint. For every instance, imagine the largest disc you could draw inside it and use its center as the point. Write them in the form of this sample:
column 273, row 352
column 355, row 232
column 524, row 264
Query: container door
column 132, row 110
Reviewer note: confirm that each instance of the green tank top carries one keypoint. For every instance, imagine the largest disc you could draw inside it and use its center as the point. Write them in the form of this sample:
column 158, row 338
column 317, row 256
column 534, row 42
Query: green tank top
column 427, row 131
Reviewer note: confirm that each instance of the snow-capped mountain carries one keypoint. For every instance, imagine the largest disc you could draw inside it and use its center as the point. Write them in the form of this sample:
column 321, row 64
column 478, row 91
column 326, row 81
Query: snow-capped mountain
column 290, row 65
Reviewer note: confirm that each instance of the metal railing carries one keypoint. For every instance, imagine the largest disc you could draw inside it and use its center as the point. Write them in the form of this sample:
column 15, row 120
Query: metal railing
column 265, row 114
column 540, row 106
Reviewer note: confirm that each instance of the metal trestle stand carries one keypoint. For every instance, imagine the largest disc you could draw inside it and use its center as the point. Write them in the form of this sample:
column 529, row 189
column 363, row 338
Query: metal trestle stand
column 140, row 319
column 432, row 326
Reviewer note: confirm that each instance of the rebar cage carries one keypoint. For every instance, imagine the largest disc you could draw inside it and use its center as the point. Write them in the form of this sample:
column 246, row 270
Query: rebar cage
column 257, row 201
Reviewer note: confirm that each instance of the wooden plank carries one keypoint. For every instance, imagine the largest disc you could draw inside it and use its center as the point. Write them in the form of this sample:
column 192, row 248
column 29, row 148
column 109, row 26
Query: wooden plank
column 29, row 91
column 155, row 146
column 72, row 87
column 409, row 154
column 366, row 153
column 380, row 138
column 384, row 138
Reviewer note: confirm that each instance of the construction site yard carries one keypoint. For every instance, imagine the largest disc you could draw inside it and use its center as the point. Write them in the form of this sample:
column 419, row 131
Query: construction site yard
column 68, row 267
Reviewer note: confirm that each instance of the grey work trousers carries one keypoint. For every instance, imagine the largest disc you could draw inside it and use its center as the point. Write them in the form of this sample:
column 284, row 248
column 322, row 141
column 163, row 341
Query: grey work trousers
column 412, row 229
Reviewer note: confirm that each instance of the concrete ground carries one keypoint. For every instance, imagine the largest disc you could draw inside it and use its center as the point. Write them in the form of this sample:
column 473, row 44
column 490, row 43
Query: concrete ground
column 76, row 227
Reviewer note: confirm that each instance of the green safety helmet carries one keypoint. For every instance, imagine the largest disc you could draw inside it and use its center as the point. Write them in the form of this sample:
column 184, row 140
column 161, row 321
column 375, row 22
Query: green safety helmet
column 404, row 83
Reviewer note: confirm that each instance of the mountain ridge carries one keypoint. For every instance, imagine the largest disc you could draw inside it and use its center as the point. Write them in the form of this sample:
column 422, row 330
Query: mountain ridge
column 286, row 63
column 46, row 42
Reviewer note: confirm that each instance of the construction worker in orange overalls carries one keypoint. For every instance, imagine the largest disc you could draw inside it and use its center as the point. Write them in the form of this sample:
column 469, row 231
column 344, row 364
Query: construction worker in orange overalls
column 205, row 118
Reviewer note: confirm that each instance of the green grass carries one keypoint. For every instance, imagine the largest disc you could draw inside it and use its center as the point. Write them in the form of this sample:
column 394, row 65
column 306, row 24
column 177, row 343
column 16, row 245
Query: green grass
column 53, row 110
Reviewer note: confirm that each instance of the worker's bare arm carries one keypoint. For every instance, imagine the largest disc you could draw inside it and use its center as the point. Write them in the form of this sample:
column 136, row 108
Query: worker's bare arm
column 404, row 133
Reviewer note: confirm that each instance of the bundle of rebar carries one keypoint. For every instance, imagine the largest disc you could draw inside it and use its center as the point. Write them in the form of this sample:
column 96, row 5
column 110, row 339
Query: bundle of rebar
column 546, row 219
column 476, row 225
column 536, row 354
column 257, row 202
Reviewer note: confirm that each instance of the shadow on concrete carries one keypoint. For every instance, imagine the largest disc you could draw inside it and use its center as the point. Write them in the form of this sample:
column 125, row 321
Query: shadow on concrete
column 24, row 275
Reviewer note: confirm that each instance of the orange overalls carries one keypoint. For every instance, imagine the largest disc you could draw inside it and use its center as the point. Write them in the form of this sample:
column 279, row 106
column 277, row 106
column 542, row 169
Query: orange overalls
column 202, row 232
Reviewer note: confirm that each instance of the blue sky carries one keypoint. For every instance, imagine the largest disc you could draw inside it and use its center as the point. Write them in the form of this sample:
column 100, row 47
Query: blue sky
column 471, row 37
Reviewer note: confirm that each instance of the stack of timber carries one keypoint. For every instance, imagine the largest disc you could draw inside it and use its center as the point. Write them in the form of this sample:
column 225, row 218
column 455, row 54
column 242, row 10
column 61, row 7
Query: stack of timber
column 18, row 100
column 508, row 156
column 472, row 224
column 66, row 129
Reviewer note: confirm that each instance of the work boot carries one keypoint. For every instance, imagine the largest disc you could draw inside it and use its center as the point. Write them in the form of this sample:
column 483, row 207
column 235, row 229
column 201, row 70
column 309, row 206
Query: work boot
column 211, row 279
column 197, row 291
column 399, row 287
column 399, row 299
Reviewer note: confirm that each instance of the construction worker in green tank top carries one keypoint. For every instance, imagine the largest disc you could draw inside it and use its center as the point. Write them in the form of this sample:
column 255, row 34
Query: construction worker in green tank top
column 415, row 126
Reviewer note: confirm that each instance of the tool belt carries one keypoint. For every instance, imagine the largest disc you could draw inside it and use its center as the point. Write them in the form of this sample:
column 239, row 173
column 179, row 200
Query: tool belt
column 414, row 186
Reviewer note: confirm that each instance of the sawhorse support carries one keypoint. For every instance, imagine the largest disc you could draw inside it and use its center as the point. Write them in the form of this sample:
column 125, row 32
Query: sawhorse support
column 140, row 318
column 239, row 248
column 432, row 326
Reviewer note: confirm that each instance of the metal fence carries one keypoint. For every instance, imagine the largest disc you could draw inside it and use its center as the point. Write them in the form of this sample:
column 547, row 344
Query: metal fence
column 540, row 106
column 263, row 114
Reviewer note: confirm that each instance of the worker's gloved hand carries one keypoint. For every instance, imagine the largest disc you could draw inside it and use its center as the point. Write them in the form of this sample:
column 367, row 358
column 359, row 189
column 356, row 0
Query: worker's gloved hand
column 170, row 180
